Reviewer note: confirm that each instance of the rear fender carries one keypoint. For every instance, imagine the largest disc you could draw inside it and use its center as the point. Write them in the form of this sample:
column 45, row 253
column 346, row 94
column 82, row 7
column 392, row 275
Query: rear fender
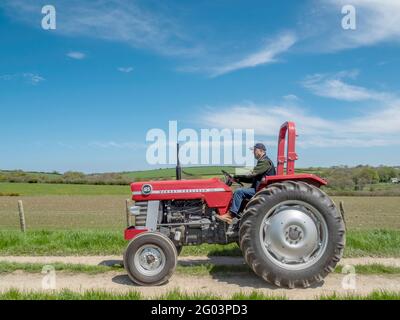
column 308, row 178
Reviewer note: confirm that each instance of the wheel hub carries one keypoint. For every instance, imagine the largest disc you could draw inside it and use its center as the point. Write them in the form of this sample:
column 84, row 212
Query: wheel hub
column 150, row 259
column 291, row 235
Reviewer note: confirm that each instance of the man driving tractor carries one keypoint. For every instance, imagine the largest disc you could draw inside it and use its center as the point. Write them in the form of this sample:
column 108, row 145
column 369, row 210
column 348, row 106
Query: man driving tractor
column 264, row 167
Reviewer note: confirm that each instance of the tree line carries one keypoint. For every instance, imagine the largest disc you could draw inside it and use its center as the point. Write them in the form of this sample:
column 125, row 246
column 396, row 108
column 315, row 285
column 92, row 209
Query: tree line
column 340, row 178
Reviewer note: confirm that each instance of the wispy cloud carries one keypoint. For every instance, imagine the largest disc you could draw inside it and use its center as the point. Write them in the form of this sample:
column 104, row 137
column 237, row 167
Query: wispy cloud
column 33, row 78
column 377, row 126
column 268, row 54
column 382, row 120
column 27, row 77
column 126, row 22
column 333, row 86
column 157, row 29
column 125, row 69
column 291, row 97
column 264, row 119
column 376, row 22
column 76, row 55
column 115, row 145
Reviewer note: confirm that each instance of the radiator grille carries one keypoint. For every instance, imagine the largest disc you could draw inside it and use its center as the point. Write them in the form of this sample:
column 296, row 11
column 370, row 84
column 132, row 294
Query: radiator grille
column 140, row 220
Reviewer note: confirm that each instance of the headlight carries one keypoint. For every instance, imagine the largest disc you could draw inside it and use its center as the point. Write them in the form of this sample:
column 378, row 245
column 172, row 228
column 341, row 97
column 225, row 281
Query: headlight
column 134, row 210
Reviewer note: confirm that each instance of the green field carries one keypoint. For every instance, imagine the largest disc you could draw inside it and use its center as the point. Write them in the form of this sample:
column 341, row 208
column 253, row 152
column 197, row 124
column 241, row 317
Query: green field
column 44, row 189
column 379, row 243
column 107, row 212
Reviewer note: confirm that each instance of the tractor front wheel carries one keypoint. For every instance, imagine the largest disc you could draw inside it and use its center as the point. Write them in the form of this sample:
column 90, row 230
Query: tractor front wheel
column 292, row 234
column 150, row 259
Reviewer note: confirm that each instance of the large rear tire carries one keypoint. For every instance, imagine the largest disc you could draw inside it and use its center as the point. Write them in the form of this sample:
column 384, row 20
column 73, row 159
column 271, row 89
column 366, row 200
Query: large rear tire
column 150, row 259
column 292, row 234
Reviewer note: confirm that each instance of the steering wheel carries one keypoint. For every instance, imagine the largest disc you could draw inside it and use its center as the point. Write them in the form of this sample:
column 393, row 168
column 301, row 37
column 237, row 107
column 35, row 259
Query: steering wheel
column 229, row 179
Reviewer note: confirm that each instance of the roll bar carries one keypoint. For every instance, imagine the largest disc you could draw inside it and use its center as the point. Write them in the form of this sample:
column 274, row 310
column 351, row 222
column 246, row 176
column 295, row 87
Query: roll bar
column 288, row 129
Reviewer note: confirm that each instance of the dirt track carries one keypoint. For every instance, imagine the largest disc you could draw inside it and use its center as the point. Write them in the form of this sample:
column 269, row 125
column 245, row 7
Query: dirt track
column 216, row 284
column 111, row 260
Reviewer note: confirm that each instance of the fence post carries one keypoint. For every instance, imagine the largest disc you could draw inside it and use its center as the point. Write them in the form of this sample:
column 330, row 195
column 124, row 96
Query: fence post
column 21, row 216
column 128, row 214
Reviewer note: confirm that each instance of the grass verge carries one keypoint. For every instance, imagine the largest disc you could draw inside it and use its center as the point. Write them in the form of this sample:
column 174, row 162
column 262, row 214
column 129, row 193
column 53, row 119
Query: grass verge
column 61, row 243
column 375, row 295
column 8, row 267
column 374, row 268
column 176, row 294
column 192, row 270
column 378, row 243
column 15, row 294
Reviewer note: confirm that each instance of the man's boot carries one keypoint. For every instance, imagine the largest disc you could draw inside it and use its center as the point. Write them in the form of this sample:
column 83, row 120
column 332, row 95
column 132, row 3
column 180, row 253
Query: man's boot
column 225, row 218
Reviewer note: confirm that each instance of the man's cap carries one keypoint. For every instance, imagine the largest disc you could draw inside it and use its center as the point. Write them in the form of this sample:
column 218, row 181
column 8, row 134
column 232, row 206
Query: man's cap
column 260, row 146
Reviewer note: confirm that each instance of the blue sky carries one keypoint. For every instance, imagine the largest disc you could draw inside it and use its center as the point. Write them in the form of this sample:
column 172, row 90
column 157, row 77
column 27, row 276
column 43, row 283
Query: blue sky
column 83, row 96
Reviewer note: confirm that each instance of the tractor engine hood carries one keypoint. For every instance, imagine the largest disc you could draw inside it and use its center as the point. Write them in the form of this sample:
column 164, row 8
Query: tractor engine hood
column 214, row 192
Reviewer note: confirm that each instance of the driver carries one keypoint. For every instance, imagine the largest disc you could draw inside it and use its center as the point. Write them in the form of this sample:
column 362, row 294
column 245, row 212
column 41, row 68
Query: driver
column 264, row 167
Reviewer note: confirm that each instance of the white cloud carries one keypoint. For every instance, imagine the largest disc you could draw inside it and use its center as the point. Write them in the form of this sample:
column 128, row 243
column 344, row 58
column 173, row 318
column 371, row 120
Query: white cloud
column 33, row 78
column 126, row 22
column 125, row 69
column 382, row 120
column 333, row 86
column 377, row 22
column 159, row 29
column 28, row 77
column 373, row 127
column 291, row 97
column 76, row 55
column 264, row 119
column 268, row 54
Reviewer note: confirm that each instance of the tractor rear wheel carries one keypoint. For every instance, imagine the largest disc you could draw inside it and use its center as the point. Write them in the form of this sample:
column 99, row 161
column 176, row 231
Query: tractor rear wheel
column 150, row 259
column 292, row 234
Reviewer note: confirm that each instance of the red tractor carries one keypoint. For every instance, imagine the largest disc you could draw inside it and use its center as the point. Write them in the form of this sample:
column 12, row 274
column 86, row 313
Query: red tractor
column 291, row 233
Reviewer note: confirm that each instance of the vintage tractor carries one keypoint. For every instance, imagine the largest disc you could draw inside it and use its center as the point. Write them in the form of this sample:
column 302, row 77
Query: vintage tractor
column 291, row 233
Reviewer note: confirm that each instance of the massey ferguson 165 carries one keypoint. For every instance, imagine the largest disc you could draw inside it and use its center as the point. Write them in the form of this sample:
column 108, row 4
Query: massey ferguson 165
column 290, row 233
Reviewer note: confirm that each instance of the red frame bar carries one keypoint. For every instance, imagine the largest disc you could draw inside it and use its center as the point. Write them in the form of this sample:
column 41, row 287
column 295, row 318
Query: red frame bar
column 287, row 129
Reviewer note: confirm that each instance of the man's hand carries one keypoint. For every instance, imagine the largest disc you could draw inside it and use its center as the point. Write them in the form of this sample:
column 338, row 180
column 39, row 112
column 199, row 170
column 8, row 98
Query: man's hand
column 243, row 178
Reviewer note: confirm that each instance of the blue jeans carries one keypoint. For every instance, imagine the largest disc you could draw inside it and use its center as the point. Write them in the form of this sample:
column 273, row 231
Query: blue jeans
column 239, row 196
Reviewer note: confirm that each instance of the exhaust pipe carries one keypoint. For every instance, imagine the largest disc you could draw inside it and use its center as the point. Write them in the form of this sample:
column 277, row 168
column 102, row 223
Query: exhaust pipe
column 178, row 165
